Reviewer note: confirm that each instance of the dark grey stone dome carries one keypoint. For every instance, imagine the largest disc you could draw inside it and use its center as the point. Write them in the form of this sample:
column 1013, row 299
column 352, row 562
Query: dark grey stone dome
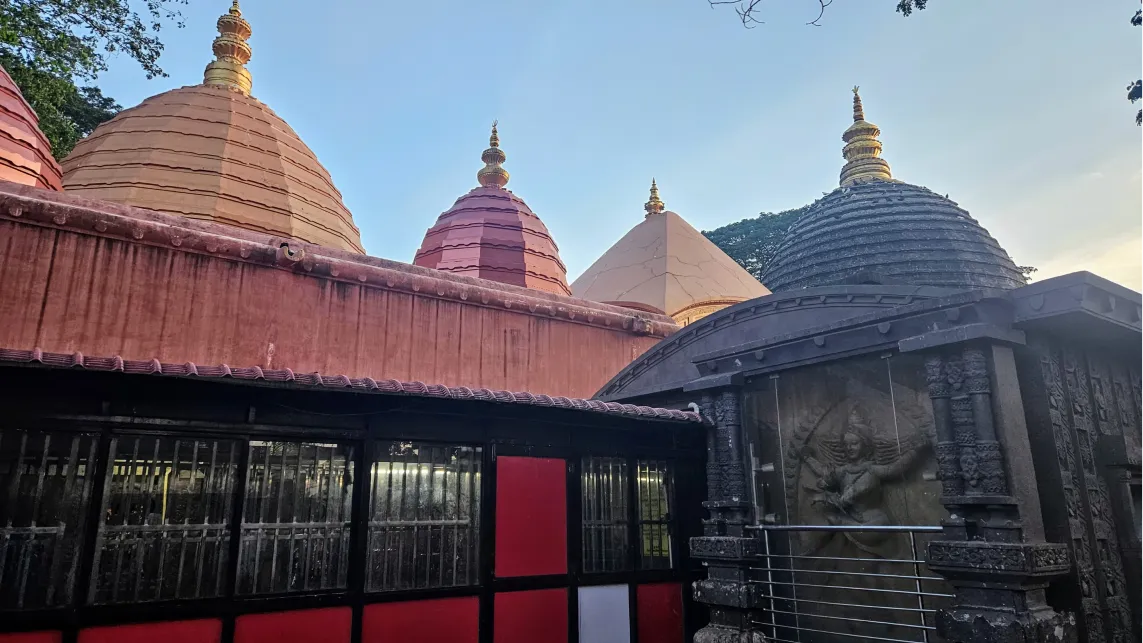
column 889, row 232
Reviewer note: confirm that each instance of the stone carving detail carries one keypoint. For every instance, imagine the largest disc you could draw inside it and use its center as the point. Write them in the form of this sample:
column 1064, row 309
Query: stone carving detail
column 1083, row 400
column 969, row 459
column 1027, row 558
column 851, row 466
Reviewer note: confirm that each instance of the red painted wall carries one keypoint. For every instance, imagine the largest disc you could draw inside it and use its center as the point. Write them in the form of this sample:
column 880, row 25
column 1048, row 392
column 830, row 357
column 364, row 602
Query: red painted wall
column 539, row 616
column 330, row 625
column 531, row 516
column 660, row 613
column 67, row 289
column 32, row 637
column 449, row 620
column 201, row 631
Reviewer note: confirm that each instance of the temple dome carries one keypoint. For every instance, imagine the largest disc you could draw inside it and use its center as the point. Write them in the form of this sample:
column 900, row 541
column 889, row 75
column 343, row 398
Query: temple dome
column 25, row 154
column 875, row 229
column 214, row 152
column 492, row 234
column 664, row 265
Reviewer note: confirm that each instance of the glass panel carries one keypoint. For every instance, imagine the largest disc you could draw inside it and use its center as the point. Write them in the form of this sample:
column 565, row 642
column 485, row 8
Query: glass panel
column 295, row 523
column 604, row 614
column 424, row 516
column 166, row 512
column 45, row 484
column 604, row 515
column 655, row 488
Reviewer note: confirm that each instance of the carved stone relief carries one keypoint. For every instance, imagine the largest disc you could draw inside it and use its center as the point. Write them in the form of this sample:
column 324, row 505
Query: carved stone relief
column 856, row 451
column 1085, row 407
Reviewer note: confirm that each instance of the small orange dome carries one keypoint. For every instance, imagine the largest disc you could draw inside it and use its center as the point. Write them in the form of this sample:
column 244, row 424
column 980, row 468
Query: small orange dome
column 492, row 234
column 25, row 154
column 212, row 151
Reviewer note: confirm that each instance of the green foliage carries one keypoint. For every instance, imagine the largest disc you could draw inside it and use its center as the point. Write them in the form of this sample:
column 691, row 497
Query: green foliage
column 906, row 7
column 1135, row 89
column 53, row 48
column 752, row 243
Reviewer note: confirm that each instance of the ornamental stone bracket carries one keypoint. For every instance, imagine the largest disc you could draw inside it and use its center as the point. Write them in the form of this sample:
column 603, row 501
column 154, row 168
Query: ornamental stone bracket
column 725, row 549
column 992, row 551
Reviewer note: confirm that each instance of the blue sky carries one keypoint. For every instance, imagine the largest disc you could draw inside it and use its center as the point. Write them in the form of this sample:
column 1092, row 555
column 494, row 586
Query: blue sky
column 1015, row 109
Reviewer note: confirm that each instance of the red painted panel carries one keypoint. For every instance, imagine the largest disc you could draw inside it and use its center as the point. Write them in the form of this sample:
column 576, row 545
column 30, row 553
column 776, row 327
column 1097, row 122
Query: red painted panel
column 531, row 516
column 32, row 637
column 539, row 616
column 201, row 631
column 330, row 625
column 448, row 620
column 660, row 611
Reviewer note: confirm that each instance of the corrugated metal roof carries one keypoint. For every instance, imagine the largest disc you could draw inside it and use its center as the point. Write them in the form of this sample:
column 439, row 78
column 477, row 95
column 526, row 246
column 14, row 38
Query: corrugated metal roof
column 117, row 364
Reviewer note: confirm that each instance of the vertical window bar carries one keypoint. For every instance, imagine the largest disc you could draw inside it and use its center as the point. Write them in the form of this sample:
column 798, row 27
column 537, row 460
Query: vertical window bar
column 308, row 497
column 42, row 517
column 656, row 519
column 606, row 491
column 423, row 509
column 160, row 528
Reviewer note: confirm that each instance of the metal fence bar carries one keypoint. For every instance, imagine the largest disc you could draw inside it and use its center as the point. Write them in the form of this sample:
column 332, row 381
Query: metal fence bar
column 859, row 620
column 924, row 529
column 864, row 637
column 856, row 589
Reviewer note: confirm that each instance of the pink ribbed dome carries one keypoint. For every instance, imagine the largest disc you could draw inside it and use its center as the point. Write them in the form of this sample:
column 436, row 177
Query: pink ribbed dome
column 492, row 234
column 25, row 154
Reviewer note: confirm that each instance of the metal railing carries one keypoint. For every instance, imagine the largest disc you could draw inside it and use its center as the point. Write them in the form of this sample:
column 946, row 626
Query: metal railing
column 832, row 584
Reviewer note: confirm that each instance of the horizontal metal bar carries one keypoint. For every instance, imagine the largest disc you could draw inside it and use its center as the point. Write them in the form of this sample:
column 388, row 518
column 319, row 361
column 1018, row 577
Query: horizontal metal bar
column 864, row 637
column 143, row 529
column 775, row 639
column 893, row 529
column 856, row 589
column 246, row 526
column 909, row 561
column 419, row 523
column 848, row 618
column 866, row 574
column 31, row 531
column 872, row 607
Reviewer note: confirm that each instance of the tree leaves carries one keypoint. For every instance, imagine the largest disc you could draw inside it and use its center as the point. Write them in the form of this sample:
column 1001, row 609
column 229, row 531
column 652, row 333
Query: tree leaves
column 1135, row 89
column 50, row 47
column 752, row 243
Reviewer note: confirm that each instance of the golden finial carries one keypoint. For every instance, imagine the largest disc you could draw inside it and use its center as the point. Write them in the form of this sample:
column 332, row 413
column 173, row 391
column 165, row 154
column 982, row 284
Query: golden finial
column 231, row 53
column 492, row 175
column 655, row 205
column 862, row 151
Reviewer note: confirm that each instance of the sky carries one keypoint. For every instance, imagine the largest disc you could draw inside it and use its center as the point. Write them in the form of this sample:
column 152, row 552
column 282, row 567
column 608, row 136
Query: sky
column 1017, row 110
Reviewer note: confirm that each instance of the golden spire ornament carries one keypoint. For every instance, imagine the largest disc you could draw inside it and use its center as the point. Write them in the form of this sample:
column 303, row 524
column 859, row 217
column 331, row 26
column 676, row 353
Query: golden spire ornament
column 862, row 151
column 492, row 175
column 231, row 53
column 655, row 205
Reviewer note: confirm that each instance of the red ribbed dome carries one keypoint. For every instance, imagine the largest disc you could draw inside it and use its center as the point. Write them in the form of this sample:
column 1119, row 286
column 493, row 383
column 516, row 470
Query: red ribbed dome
column 25, row 154
column 492, row 234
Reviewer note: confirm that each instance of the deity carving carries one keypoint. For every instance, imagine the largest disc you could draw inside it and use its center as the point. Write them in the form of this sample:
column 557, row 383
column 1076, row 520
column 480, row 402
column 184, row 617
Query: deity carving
column 849, row 486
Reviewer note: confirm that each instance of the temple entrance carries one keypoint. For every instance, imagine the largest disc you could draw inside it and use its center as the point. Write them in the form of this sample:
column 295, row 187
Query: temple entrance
column 846, row 500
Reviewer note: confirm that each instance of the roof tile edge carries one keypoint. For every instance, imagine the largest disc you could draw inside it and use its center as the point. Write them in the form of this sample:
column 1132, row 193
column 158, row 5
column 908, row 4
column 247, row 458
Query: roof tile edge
column 116, row 363
column 23, row 204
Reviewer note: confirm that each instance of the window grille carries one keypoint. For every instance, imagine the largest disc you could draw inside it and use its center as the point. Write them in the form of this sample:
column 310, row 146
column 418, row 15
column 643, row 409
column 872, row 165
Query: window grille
column 655, row 487
column 295, row 526
column 165, row 519
column 424, row 516
column 45, row 486
column 604, row 518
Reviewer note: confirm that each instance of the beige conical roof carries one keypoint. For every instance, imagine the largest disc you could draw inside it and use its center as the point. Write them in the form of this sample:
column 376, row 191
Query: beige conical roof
column 665, row 265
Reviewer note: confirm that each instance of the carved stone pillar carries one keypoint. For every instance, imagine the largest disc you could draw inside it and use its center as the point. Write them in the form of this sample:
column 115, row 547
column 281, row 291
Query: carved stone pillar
column 992, row 550
column 725, row 547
